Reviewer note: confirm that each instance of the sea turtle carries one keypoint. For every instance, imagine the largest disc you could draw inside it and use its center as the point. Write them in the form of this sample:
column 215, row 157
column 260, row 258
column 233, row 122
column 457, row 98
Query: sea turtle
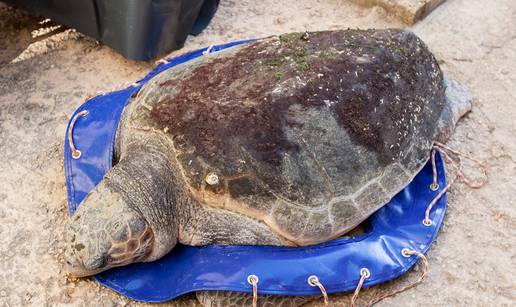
column 288, row 140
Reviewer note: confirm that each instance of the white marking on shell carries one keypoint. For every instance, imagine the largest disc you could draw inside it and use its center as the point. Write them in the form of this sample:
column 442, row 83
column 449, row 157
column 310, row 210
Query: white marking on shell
column 212, row 179
column 363, row 60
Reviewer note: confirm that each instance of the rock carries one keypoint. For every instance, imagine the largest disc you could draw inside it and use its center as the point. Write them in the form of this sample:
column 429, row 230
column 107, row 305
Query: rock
column 409, row 11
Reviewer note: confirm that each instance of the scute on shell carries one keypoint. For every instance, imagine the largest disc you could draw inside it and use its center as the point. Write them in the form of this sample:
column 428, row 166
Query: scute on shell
column 310, row 136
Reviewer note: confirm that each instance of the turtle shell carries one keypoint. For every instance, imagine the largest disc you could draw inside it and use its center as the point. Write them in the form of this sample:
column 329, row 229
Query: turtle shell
column 309, row 133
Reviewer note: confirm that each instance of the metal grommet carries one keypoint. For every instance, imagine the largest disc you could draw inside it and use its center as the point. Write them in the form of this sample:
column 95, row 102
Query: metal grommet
column 313, row 280
column 76, row 154
column 252, row 279
column 365, row 272
column 434, row 186
column 427, row 222
column 406, row 253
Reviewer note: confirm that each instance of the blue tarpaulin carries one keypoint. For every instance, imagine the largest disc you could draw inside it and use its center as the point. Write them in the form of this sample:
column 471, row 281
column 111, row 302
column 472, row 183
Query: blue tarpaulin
column 281, row 270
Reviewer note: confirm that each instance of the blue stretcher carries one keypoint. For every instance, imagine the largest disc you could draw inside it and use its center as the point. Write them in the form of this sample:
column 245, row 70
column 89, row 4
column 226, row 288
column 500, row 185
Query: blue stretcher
column 281, row 270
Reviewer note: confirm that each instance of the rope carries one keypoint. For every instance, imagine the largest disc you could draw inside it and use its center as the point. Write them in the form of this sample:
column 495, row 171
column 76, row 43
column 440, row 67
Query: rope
column 314, row 282
column 253, row 280
column 434, row 186
column 364, row 274
column 475, row 184
column 446, row 152
column 208, row 50
column 406, row 253
column 76, row 154
column 161, row 61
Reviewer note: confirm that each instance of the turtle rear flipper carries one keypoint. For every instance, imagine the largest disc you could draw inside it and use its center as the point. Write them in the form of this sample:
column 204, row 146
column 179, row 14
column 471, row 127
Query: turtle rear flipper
column 459, row 101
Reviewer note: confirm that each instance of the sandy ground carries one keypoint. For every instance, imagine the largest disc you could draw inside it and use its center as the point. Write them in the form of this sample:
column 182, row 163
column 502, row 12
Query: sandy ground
column 45, row 76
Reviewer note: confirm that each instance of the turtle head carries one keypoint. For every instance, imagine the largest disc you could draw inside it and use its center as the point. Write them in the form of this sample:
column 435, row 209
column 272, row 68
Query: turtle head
column 105, row 233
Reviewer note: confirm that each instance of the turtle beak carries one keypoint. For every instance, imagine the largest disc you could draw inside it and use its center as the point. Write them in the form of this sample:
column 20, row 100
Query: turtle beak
column 76, row 268
column 79, row 261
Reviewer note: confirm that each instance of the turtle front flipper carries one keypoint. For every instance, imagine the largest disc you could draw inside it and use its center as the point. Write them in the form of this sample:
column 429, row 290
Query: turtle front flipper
column 129, row 217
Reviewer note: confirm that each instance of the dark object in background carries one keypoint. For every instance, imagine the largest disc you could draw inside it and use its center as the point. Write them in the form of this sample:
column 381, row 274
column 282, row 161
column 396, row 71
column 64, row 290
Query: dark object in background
column 138, row 29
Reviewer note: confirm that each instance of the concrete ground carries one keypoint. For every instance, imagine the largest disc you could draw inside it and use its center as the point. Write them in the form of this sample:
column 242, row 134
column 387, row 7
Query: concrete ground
column 46, row 73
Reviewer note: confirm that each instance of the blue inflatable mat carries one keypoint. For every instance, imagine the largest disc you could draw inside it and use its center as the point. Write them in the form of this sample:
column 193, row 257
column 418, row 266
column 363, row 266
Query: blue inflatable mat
column 281, row 270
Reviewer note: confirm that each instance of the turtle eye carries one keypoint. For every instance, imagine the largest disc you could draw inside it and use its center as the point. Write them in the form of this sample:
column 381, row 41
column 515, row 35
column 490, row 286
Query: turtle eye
column 119, row 231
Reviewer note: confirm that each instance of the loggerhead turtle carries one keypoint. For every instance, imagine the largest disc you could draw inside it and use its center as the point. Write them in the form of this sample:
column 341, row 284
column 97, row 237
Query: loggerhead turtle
column 289, row 140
